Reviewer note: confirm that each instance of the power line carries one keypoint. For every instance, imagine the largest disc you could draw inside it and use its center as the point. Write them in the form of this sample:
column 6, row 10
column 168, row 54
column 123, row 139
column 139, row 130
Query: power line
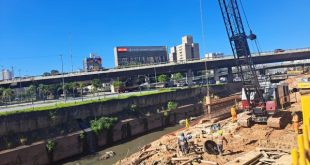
column 202, row 28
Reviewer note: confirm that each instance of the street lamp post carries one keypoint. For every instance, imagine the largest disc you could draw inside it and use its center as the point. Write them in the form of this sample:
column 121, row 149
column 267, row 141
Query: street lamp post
column 155, row 77
column 63, row 78
column 20, row 85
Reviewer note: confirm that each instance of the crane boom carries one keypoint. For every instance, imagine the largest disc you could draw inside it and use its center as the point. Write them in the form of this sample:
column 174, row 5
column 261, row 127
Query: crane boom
column 240, row 48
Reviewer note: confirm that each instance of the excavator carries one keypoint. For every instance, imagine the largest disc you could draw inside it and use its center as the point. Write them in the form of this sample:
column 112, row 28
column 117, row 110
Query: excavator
column 261, row 101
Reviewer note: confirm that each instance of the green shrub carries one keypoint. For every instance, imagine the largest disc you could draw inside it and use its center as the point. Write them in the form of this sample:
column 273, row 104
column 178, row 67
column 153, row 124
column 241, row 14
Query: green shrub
column 52, row 115
column 166, row 113
column 9, row 144
column 134, row 107
column 172, row 105
column 23, row 140
column 82, row 135
column 104, row 123
column 50, row 145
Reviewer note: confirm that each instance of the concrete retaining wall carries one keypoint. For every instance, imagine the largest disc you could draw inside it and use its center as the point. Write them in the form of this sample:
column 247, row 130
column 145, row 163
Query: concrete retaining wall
column 20, row 123
column 71, row 145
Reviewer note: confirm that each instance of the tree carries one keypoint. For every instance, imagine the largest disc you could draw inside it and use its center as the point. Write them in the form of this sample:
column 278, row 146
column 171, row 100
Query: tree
column 1, row 91
column 96, row 84
column 117, row 84
column 44, row 91
column 67, row 88
column 47, row 74
column 177, row 77
column 31, row 92
column 81, row 86
column 74, row 87
column 54, row 72
column 7, row 94
column 162, row 78
column 54, row 89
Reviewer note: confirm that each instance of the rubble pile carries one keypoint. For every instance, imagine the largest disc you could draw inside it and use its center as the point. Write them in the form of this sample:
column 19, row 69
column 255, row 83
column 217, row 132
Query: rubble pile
column 269, row 145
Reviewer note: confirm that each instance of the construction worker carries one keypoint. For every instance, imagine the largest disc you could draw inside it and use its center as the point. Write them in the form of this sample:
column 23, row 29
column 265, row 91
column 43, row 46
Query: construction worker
column 295, row 121
column 187, row 123
column 220, row 140
column 233, row 112
column 182, row 143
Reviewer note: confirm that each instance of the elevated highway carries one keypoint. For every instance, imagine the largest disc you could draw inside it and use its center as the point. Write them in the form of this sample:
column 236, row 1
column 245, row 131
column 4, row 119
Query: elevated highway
column 113, row 74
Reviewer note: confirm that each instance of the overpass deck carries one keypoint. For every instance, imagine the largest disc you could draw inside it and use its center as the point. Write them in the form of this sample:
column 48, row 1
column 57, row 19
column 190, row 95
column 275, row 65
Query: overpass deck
column 108, row 75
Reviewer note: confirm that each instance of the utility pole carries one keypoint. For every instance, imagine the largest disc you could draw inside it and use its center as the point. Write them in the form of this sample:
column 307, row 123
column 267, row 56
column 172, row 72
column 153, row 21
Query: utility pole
column 70, row 52
column 155, row 77
column 63, row 78
column 20, row 86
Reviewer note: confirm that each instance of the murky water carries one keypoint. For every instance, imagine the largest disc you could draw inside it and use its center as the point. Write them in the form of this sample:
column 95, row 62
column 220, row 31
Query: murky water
column 121, row 150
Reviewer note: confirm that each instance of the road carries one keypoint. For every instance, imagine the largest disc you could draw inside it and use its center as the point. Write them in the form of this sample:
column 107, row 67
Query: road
column 17, row 107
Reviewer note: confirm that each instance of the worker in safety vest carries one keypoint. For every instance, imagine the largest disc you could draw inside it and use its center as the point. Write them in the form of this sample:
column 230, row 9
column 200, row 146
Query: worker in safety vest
column 295, row 122
column 220, row 140
column 182, row 143
column 187, row 123
column 233, row 112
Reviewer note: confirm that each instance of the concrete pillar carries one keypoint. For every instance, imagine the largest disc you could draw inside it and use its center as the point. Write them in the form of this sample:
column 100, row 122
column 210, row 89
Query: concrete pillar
column 208, row 104
column 216, row 74
column 189, row 77
column 147, row 79
column 230, row 75
column 262, row 72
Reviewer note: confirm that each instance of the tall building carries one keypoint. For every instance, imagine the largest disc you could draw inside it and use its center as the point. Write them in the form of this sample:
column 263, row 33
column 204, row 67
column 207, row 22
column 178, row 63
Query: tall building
column 92, row 63
column 7, row 74
column 126, row 56
column 214, row 55
column 188, row 50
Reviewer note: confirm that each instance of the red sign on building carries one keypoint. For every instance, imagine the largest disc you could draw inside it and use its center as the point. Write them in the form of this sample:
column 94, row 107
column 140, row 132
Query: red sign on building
column 122, row 49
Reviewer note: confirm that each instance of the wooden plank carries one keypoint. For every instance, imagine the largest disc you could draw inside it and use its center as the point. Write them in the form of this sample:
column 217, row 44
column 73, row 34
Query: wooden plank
column 190, row 160
column 264, row 154
column 179, row 159
column 208, row 162
column 246, row 159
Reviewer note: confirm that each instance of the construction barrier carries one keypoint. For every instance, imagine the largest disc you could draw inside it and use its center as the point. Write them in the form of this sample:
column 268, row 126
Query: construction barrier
column 301, row 156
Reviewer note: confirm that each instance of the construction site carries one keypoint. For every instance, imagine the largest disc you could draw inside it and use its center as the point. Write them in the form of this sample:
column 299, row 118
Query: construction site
column 259, row 143
column 259, row 125
column 250, row 108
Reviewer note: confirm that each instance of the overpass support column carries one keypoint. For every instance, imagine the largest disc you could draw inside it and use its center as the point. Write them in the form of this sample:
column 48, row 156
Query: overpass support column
column 189, row 77
column 147, row 79
column 216, row 73
column 262, row 72
column 230, row 75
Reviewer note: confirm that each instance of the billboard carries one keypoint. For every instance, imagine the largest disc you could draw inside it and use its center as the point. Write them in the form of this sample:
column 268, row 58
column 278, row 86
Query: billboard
column 93, row 63
column 140, row 55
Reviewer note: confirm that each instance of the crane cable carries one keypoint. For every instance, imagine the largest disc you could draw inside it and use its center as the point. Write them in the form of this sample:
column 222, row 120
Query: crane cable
column 249, row 27
column 204, row 43
column 202, row 27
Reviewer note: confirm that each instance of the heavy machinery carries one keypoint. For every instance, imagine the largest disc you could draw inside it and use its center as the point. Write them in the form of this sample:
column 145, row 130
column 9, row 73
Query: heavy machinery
column 254, row 93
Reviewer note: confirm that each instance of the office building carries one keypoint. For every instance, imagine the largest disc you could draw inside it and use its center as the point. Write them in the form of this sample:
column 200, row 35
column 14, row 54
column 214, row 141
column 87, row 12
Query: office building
column 92, row 63
column 7, row 74
column 188, row 50
column 127, row 56
column 214, row 55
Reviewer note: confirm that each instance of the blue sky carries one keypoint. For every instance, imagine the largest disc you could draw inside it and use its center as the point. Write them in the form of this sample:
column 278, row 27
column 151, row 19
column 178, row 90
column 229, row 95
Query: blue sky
column 34, row 32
